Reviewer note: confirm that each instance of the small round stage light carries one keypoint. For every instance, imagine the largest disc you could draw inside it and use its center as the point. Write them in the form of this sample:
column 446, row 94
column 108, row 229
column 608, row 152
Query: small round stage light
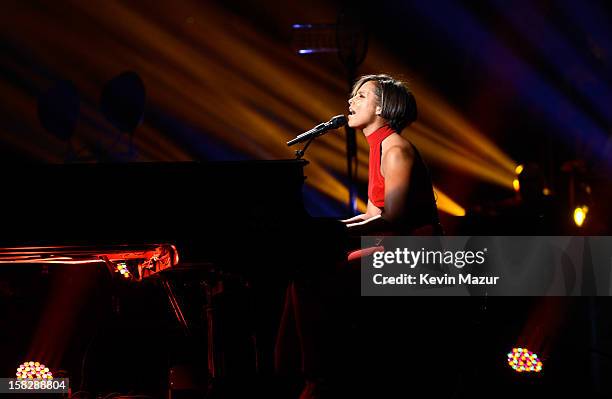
column 519, row 169
column 522, row 360
column 33, row 371
column 580, row 214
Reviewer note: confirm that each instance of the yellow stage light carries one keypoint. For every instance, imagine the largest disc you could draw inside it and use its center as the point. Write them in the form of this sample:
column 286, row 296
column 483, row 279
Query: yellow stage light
column 519, row 169
column 446, row 204
column 580, row 214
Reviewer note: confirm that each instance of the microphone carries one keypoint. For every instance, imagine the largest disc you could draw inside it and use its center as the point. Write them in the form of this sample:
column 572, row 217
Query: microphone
column 334, row 123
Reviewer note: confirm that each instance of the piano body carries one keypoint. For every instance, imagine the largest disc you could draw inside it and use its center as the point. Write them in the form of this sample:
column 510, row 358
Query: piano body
column 223, row 212
column 150, row 219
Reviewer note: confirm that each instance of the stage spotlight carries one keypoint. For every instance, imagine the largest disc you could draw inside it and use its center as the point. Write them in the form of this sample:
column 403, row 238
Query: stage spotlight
column 516, row 185
column 446, row 204
column 33, row 371
column 523, row 360
column 580, row 215
column 123, row 101
column 314, row 38
column 518, row 169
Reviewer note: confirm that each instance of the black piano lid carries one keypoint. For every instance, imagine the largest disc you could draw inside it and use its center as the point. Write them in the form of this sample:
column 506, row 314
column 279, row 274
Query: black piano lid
column 118, row 203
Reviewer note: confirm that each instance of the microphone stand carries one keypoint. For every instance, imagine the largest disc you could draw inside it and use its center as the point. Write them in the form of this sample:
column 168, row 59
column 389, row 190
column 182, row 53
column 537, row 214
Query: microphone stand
column 300, row 153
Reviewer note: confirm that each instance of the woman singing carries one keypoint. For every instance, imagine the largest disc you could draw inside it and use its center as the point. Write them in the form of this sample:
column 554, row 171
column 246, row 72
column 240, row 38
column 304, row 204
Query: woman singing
column 400, row 195
column 320, row 305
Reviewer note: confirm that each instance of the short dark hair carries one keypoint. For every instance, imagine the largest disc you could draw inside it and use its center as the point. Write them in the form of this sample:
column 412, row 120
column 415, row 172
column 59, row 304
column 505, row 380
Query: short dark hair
column 398, row 105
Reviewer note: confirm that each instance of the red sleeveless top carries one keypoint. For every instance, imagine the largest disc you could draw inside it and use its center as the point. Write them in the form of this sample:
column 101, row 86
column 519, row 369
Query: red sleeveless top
column 376, row 182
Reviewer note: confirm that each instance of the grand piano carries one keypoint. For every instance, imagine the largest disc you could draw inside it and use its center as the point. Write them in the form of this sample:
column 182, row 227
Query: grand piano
column 230, row 213
column 159, row 220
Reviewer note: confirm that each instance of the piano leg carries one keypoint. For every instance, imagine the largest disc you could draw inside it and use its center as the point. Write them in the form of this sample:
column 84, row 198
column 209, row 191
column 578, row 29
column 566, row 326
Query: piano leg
column 176, row 307
column 215, row 354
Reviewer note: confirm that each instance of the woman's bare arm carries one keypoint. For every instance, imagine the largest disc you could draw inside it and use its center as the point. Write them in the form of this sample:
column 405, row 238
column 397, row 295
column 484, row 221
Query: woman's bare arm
column 396, row 168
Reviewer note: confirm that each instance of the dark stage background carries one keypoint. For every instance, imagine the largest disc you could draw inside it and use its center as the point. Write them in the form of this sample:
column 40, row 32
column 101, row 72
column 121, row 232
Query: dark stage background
column 498, row 84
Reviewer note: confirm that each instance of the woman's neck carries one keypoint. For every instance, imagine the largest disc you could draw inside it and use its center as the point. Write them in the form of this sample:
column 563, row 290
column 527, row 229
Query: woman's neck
column 374, row 126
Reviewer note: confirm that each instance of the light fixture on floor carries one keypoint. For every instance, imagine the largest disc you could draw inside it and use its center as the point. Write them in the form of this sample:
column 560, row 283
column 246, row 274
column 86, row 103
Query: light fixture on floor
column 523, row 360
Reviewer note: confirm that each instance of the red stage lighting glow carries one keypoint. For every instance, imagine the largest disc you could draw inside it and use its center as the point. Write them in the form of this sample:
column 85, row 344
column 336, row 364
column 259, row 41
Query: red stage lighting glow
column 523, row 360
column 33, row 371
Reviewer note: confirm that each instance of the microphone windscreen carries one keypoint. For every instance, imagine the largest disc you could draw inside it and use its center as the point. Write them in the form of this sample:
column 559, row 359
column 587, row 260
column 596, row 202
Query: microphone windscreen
column 338, row 121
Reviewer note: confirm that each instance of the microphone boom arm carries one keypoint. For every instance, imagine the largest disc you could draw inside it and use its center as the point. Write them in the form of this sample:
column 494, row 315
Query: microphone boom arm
column 312, row 132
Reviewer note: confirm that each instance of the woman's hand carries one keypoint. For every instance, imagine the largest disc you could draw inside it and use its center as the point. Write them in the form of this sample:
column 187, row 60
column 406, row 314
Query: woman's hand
column 354, row 219
column 363, row 221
